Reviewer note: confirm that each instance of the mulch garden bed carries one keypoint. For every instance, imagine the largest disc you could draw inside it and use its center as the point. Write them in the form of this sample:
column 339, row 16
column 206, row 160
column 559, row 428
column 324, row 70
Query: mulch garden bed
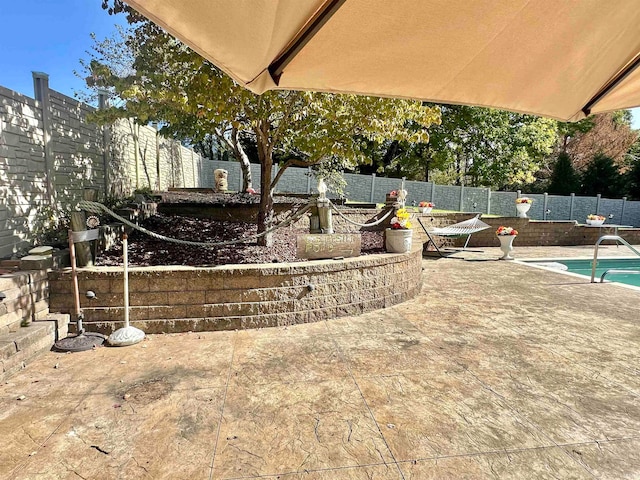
column 145, row 250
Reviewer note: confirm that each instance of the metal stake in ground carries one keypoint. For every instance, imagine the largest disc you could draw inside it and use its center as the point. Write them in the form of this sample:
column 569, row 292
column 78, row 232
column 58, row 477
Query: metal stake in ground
column 83, row 340
column 127, row 335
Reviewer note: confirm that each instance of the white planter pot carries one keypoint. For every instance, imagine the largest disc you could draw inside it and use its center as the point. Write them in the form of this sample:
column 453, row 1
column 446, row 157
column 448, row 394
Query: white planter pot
column 522, row 209
column 595, row 223
column 426, row 210
column 506, row 245
column 398, row 240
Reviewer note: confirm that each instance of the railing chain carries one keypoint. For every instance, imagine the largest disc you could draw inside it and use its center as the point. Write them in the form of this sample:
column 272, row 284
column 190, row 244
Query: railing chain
column 95, row 207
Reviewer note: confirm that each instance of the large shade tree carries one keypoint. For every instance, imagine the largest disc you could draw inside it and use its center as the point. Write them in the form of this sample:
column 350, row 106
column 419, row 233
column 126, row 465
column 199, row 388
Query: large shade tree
column 191, row 98
column 609, row 134
column 632, row 176
column 487, row 147
column 602, row 176
column 474, row 146
column 564, row 178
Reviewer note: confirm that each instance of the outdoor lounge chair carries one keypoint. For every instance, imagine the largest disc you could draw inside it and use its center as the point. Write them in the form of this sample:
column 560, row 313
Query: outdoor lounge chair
column 457, row 230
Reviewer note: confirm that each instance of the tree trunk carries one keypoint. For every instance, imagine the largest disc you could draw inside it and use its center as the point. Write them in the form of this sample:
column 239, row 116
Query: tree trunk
column 265, row 213
column 242, row 157
column 83, row 249
column 390, row 154
column 158, row 180
column 458, row 171
column 426, row 170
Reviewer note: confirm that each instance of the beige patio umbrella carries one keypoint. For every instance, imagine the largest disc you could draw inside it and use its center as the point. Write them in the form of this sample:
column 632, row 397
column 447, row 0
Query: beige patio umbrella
column 557, row 58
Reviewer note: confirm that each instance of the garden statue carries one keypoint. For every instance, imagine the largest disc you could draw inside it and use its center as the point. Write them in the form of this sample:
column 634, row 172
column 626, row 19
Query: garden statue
column 220, row 179
column 324, row 208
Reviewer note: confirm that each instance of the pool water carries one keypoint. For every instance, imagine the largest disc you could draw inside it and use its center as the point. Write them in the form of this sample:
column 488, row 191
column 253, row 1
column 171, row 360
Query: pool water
column 583, row 267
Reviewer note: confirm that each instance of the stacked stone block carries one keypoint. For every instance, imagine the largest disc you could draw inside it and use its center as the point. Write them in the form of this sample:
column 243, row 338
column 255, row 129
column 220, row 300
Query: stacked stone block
column 534, row 233
column 26, row 326
column 26, row 299
column 176, row 299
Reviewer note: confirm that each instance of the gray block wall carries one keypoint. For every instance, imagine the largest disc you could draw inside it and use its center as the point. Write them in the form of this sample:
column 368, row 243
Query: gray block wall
column 371, row 188
column 558, row 207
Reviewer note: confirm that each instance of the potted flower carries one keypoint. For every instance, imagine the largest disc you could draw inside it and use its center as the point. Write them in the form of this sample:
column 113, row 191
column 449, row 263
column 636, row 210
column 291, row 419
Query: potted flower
column 595, row 220
column 426, row 207
column 523, row 204
column 398, row 238
column 392, row 198
column 506, row 235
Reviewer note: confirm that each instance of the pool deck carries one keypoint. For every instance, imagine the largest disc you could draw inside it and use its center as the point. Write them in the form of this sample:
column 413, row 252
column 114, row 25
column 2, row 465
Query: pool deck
column 496, row 370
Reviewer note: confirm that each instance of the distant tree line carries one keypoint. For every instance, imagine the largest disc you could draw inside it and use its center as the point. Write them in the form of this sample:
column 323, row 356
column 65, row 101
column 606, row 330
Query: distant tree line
column 599, row 155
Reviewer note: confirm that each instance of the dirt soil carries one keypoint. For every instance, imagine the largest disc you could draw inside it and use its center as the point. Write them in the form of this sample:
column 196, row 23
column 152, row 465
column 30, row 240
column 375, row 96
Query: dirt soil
column 213, row 198
column 146, row 251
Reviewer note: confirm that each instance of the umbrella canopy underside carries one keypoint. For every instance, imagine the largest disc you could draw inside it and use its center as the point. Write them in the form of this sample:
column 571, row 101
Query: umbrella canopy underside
column 560, row 59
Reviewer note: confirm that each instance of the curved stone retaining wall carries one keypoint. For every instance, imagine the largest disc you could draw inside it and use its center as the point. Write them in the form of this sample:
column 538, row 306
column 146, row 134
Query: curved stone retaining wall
column 179, row 299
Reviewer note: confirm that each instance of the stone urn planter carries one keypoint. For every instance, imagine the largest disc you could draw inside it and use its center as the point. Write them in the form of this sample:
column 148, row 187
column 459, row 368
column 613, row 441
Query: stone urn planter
column 398, row 240
column 506, row 235
column 506, row 245
column 522, row 209
column 425, row 207
column 595, row 220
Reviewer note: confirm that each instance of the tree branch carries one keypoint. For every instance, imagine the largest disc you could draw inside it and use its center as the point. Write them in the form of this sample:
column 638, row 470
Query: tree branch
column 294, row 162
column 220, row 134
column 293, row 97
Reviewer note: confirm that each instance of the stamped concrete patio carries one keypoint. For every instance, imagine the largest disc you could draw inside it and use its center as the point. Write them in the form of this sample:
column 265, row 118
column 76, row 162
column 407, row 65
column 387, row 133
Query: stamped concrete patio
column 497, row 370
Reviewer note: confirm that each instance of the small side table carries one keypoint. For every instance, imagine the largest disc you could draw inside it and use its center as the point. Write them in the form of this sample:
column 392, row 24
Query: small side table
column 610, row 225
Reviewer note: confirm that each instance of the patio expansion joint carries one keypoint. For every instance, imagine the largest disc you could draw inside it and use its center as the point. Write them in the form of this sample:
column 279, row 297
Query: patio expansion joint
column 224, row 400
column 313, row 470
column 366, row 404
column 507, row 451
column 54, row 431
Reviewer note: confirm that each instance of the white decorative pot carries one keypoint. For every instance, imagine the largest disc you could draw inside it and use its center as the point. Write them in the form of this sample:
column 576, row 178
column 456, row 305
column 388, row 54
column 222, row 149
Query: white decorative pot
column 426, row 210
column 522, row 209
column 398, row 240
column 595, row 223
column 506, row 245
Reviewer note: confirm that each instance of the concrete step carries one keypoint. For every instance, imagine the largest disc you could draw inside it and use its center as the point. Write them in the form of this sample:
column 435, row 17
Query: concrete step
column 60, row 320
column 36, row 262
column 19, row 348
column 25, row 299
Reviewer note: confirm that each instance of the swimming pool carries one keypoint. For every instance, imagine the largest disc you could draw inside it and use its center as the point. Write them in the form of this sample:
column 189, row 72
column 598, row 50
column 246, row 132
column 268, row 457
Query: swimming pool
column 583, row 267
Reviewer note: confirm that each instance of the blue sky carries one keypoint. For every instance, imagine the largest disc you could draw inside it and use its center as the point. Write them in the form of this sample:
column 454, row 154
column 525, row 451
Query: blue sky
column 49, row 36
column 52, row 36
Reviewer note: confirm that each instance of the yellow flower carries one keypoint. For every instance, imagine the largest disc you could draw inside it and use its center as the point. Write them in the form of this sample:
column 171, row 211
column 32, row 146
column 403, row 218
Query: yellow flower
column 402, row 214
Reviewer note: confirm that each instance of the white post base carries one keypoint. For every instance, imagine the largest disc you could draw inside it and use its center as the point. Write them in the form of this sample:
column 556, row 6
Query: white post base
column 125, row 336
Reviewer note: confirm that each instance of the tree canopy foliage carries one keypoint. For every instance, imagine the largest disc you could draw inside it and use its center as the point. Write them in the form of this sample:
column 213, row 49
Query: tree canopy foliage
column 191, row 98
column 475, row 146
column 602, row 176
column 564, row 179
column 609, row 134
column 487, row 147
